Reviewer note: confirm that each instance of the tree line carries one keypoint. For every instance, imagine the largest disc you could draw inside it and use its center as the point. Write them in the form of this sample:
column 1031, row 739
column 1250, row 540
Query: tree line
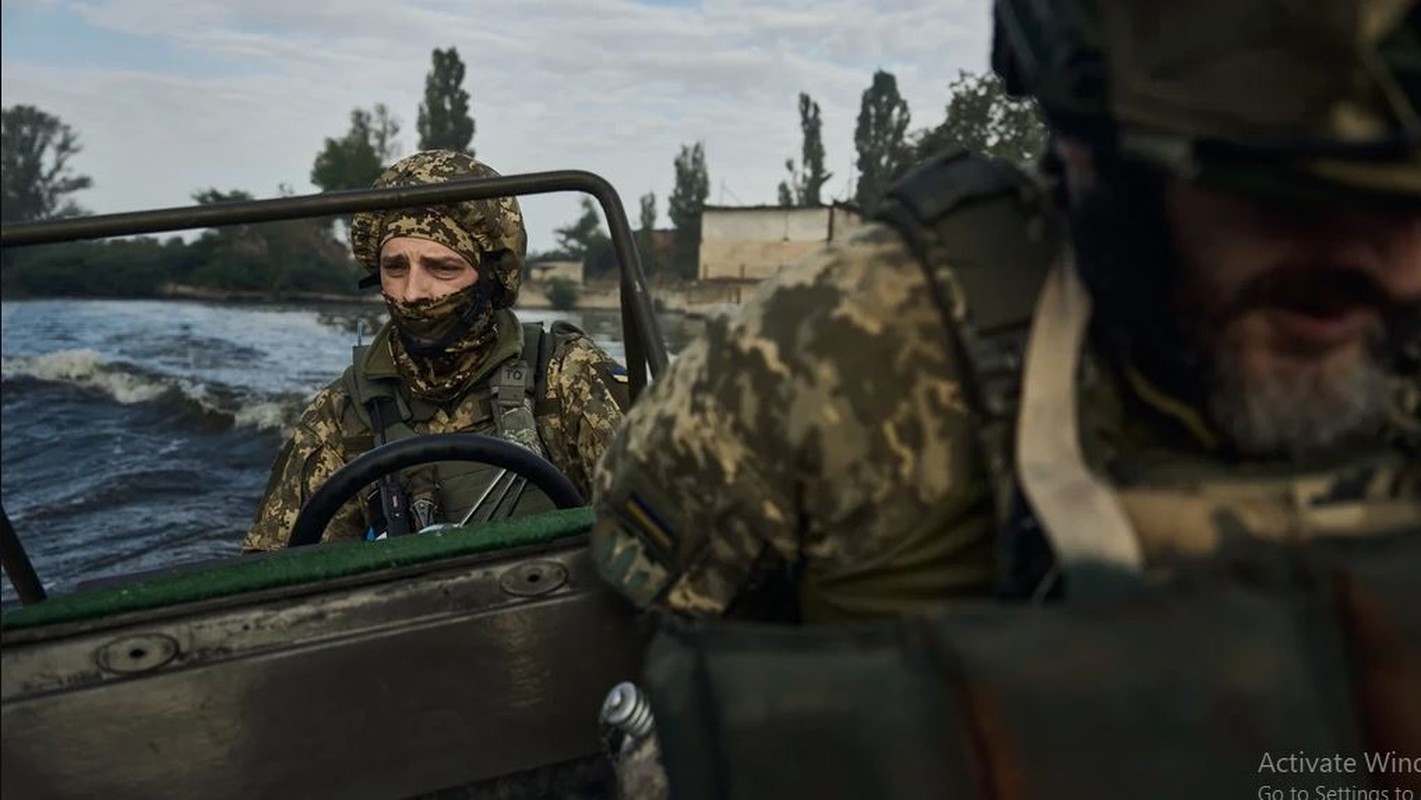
column 37, row 150
column 979, row 116
column 283, row 258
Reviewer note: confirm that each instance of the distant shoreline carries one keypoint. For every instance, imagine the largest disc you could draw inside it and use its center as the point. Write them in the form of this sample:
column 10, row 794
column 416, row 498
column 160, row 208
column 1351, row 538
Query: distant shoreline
column 181, row 292
column 600, row 297
column 177, row 291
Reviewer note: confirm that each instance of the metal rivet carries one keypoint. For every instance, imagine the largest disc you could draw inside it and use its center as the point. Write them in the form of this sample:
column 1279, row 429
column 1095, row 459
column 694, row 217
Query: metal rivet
column 134, row 654
column 533, row 578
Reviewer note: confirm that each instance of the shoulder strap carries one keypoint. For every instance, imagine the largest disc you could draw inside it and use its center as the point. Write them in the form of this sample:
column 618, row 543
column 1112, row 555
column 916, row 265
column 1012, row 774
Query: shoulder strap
column 381, row 407
column 985, row 235
column 537, row 351
column 986, row 222
column 561, row 330
column 515, row 385
column 371, row 395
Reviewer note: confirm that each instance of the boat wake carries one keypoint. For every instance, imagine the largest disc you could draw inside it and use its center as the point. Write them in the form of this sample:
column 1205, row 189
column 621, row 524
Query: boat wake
column 211, row 404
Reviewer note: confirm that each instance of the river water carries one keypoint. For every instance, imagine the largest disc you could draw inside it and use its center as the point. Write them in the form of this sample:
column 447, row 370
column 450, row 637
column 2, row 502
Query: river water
column 139, row 433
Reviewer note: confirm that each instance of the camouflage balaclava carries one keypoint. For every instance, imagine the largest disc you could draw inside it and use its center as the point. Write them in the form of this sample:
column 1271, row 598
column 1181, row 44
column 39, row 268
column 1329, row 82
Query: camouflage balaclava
column 442, row 342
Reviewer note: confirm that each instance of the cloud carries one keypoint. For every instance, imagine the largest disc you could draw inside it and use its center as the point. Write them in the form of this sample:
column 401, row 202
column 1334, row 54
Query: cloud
column 251, row 89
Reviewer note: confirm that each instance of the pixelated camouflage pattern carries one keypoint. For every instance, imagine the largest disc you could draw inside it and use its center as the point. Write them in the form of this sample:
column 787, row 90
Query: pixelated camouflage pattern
column 824, row 427
column 520, row 427
column 489, row 233
column 593, row 398
column 824, row 423
column 585, row 400
column 444, row 375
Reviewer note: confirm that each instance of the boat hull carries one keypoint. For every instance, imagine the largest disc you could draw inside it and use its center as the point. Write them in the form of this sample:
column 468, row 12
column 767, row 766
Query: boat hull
column 386, row 685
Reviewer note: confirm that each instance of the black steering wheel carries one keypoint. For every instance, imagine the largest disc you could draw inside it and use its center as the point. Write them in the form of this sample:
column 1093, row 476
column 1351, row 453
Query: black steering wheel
column 398, row 455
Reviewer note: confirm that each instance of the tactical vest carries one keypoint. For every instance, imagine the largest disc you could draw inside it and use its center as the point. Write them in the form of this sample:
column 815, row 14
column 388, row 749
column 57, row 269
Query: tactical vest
column 1260, row 623
column 1299, row 677
column 506, row 403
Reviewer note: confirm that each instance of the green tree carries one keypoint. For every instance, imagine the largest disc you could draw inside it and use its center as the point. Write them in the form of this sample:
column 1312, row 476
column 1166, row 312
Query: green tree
column 575, row 239
column 210, row 196
column 444, row 122
column 804, row 184
column 688, row 198
column 982, row 118
column 237, row 255
column 135, row 267
column 785, row 191
column 562, row 294
column 35, row 149
column 880, row 139
column 584, row 239
column 356, row 159
column 298, row 255
column 646, row 242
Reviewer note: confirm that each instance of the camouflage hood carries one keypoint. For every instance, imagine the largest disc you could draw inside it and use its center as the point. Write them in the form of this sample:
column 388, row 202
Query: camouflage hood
column 489, row 233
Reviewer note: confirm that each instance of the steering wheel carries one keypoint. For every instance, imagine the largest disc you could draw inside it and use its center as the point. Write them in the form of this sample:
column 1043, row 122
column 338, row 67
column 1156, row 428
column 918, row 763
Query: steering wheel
column 404, row 453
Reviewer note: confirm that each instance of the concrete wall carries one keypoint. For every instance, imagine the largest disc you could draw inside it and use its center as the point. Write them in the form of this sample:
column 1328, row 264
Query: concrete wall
column 750, row 244
column 750, row 261
column 765, row 224
column 843, row 222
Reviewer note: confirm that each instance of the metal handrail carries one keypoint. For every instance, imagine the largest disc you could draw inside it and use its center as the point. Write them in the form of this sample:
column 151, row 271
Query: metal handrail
column 646, row 349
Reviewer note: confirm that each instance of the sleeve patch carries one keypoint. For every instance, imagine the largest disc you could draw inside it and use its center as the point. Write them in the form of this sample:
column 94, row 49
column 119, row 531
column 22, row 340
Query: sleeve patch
column 644, row 520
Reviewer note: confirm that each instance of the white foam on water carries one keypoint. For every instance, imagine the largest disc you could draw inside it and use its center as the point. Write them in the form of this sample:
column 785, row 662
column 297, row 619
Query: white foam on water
column 266, row 416
column 86, row 369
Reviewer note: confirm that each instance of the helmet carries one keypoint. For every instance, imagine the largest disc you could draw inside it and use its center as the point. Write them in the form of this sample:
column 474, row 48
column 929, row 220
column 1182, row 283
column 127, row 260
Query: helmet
column 489, row 233
column 1302, row 97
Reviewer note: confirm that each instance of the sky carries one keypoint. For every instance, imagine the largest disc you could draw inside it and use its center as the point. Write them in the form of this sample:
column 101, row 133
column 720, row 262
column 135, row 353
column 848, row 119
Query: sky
column 173, row 96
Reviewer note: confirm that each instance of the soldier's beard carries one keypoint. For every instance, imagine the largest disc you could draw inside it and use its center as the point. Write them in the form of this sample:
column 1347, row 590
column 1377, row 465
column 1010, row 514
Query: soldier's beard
column 1277, row 409
column 1274, row 397
column 1293, row 410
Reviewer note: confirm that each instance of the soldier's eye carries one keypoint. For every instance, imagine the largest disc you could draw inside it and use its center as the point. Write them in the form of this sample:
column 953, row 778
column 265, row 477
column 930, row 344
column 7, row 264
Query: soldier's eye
column 448, row 270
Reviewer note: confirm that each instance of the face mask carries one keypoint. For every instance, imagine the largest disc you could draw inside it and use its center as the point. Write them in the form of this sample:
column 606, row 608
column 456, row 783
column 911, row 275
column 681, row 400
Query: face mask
column 441, row 342
column 431, row 325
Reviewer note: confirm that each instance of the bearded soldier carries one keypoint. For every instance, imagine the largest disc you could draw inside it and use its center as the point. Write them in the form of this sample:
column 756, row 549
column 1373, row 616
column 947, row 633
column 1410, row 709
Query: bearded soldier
column 1193, row 335
column 453, row 358
column 1222, row 265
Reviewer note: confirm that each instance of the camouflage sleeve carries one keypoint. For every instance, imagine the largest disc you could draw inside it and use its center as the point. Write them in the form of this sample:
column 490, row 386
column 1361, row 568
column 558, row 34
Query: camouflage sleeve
column 820, row 428
column 306, row 461
column 587, row 395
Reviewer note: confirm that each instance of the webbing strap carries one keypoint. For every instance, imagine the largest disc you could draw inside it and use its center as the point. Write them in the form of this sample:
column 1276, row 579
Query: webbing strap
column 392, row 500
column 1082, row 517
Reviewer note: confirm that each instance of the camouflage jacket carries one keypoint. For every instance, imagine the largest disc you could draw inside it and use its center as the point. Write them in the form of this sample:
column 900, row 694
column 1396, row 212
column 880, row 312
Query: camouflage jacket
column 585, row 398
column 824, row 435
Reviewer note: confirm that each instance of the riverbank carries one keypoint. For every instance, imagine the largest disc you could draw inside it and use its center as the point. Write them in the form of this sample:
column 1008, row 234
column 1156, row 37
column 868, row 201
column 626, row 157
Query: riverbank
column 181, row 292
column 698, row 301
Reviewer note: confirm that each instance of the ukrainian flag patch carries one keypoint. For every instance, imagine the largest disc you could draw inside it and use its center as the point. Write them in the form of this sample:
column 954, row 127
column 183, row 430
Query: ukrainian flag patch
column 643, row 519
